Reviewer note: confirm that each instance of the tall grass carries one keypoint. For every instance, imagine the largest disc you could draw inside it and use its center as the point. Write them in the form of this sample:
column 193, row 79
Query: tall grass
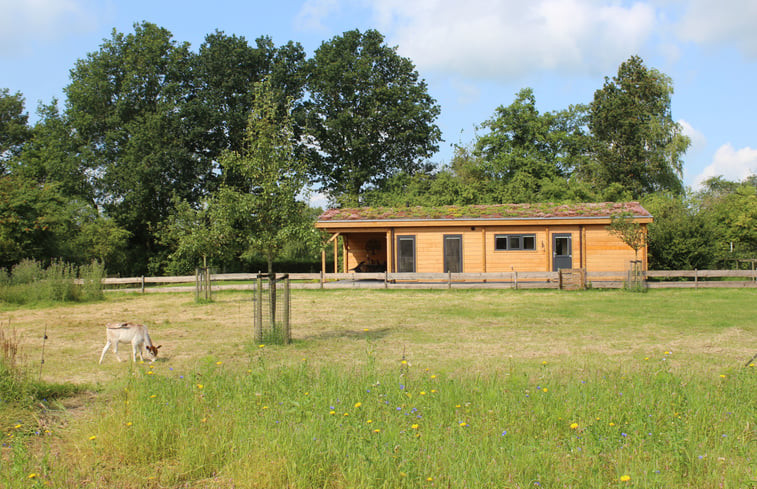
column 525, row 425
column 29, row 282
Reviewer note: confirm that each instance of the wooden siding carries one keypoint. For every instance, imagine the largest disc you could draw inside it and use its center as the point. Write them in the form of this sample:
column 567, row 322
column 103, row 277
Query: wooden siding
column 593, row 247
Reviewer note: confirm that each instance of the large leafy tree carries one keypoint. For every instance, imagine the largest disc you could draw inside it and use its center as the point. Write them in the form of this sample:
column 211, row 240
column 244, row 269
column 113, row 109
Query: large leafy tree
column 637, row 142
column 525, row 153
column 14, row 129
column 127, row 103
column 260, row 206
column 369, row 114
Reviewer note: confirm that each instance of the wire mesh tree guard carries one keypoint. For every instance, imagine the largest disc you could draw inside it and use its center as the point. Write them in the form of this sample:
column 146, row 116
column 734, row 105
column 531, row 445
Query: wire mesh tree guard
column 272, row 307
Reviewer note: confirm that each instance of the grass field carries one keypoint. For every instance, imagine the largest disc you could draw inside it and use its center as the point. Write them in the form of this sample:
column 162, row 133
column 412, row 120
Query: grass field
column 466, row 388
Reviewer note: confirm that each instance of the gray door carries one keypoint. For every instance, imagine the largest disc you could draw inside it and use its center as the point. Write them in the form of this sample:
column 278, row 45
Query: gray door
column 405, row 254
column 562, row 252
column 453, row 253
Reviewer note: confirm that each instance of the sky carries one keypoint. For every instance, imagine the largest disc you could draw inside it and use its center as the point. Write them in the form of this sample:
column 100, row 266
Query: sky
column 475, row 55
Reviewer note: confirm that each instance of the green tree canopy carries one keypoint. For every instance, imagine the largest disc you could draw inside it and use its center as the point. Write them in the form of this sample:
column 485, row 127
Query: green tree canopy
column 14, row 129
column 636, row 141
column 369, row 115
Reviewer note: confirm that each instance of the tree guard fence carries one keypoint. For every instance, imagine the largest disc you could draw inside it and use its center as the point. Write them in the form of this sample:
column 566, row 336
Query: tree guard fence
column 272, row 305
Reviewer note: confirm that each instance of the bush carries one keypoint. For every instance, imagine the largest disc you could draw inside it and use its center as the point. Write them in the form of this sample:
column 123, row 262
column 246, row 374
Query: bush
column 28, row 282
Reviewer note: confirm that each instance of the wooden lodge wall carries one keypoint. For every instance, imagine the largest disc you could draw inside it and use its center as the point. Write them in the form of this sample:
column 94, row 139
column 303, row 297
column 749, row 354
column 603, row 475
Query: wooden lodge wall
column 594, row 248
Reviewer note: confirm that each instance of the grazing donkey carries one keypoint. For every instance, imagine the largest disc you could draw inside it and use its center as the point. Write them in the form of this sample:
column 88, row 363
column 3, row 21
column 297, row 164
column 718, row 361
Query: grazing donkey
column 136, row 334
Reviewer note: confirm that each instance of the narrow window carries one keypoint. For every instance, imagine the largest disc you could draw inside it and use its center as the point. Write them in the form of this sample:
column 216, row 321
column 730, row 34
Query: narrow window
column 453, row 253
column 406, row 254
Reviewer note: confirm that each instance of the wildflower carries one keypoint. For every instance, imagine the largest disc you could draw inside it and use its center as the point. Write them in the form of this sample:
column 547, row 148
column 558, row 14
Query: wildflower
column 625, row 478
column 433, row 391
column 404, row 362
column 544, row 390
column 612, row 424
column 377, row 430
column 150, row 372
column 261, row 346
column 332, row 412
column 366, row 329
column 423, row 393
column 430, row 479
column 346, row 414
column 358, row 404
column 200, row 386
column 433, row 376
column 153, row 396
column 573, row 426
column 504, row 433
column 402, row 474
column 415, row 426
column 32, row 476
column 17, row 426
column 219, row 362
column 463, row 424
column 129, row 423
column 544, row 362
column 92, row 437
column 722, row 376
column 369, row 421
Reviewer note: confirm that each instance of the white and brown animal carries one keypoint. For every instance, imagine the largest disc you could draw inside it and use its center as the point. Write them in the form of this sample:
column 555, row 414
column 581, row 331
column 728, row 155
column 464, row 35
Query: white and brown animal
column 133, row 333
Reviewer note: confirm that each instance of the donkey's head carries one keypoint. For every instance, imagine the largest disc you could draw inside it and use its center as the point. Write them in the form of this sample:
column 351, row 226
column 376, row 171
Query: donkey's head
column 153, row 352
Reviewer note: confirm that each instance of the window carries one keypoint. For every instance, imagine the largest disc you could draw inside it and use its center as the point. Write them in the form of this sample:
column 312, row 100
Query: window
column 406, row 254
column 508, row 242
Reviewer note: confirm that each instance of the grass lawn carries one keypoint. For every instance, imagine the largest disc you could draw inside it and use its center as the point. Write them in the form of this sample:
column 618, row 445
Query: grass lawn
column 411, row 388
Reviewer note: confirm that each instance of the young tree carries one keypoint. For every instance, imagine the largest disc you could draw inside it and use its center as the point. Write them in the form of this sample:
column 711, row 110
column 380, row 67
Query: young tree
column 637, row 142
column 369, row 115
column 260, row 204
column 630, row 232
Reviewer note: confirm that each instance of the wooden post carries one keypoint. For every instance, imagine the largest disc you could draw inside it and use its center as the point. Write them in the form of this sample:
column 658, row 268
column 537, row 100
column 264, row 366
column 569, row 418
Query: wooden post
column 285, row 311
column 336, row 256
column 143, row 283
column 515, row 275
column 696, row 278
column 322, row 279
column 449, row 279
column 258, row 328
column 197, row 284
column 386, row 279
column 272, row 301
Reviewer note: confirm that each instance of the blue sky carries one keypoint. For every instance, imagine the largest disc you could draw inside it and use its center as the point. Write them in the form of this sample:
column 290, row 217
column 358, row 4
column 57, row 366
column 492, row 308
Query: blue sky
column 475, row 55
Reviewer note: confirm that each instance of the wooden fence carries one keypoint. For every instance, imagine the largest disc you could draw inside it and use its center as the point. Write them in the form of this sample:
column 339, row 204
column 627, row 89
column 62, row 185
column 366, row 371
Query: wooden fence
column 505, row 280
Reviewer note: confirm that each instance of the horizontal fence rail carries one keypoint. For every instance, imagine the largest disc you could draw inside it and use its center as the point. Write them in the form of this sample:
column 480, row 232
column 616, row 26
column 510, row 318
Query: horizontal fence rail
column 503, row 280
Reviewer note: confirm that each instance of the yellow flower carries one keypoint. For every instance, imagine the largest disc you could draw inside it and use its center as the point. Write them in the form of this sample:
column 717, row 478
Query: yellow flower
column 153, row 396
column 219, row 362
column 261, row 346
column 402, row 474
column 366, row 329
column 265, row 407
column 369, row 421
column 129, row 423
column 573, row 426
column 544, row 389
column 433, row 376
column 92, row 437
column 463, row 424
column 423, row 393
column 433, row 391
column 377, row 430
column 358, row 404
column 404, row 362
column 17, row 426
column 332, row 412
column 612, row 424
column 32, row 475
column 722, row 376
column 544, row 362
column 625, row 478
column 415, row 427
column 430, row 479
column 200, row 386
column 346, row 414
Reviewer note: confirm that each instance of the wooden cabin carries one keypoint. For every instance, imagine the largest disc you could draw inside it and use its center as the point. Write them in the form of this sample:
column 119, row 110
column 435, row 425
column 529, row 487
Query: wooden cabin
column 483, row 238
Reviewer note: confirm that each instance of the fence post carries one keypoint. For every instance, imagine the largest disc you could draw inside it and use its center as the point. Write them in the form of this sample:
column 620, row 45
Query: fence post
column 515, row 276
column 696, row 278
column 386, row 279
column 285, row 312
column 143, row 283
column 258, row 327
column 449, row 279
column 322, row 279
column 197, row 284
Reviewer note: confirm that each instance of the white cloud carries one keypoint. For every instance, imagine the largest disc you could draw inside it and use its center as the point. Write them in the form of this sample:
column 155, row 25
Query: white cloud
column 312, row 13
column 733, row 164
column 26, row 21
column 724, row 21
column 506, row 39
column 698, row 140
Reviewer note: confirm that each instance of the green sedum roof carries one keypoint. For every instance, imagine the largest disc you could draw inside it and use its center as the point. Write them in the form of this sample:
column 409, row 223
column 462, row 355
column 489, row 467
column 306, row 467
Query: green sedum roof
column 498, row 211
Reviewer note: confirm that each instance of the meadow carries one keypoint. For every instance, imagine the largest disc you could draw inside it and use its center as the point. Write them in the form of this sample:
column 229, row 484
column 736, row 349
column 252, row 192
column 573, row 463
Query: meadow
column 392, row 389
